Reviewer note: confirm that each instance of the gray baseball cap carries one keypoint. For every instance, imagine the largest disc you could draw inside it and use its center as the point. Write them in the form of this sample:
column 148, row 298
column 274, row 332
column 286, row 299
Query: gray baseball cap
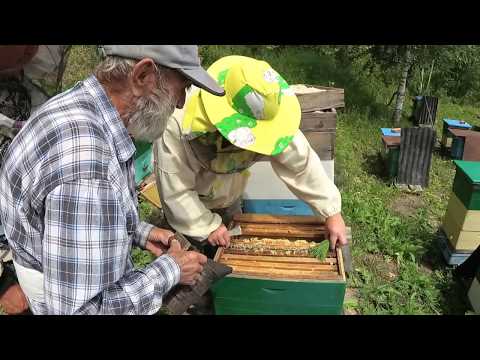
column 183, row 58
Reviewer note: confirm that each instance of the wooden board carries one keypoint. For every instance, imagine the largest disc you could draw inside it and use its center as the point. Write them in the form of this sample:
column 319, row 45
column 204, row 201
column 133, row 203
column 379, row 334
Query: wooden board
column 323, row 143
column 282, row 267
column 283, row 230
column 471, row 150
column 341, row 268
column 277, row 219
column 319, row 121
column 391, row 141
column 324, row 98
column 150, row 193
column 278, row 267
column 459, row 132
column 286, row 259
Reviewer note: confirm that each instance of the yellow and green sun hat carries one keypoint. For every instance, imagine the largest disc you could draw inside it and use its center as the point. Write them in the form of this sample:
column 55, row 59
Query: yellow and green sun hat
column 259, row 111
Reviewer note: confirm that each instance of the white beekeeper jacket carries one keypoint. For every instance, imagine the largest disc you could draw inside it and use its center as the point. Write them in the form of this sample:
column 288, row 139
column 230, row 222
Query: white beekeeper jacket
column 188, row 191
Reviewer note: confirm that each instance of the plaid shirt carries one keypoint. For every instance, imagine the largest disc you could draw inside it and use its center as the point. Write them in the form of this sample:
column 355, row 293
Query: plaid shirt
column 69, row 207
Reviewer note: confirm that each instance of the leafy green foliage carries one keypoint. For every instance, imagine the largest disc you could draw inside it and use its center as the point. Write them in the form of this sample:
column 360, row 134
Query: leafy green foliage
column 141, row 258
column 320, row 251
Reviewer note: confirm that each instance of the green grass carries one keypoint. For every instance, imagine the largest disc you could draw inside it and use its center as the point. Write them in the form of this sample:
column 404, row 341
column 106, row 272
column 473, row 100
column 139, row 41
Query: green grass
column 397, row 267
column 416, row 281
column 81, row 62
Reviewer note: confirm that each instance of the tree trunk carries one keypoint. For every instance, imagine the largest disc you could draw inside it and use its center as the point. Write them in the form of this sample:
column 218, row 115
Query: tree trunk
column 407, row 64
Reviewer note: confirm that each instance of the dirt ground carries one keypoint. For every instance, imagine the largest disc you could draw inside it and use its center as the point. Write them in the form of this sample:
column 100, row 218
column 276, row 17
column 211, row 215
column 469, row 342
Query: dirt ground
column 407, row 204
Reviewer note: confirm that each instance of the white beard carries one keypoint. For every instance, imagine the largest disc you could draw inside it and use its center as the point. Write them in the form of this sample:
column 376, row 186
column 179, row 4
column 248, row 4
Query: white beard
column 148, row 118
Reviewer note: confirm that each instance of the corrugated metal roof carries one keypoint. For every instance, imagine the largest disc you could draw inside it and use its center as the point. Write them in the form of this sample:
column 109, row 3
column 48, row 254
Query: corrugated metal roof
column 415, row 156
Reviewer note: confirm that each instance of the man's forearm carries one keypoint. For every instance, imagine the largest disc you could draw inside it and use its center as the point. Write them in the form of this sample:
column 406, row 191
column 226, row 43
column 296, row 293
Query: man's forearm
column 138, row 292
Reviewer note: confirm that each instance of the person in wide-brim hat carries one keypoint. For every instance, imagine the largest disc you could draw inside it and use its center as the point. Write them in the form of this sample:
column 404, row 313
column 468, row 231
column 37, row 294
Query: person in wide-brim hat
column 203, row 156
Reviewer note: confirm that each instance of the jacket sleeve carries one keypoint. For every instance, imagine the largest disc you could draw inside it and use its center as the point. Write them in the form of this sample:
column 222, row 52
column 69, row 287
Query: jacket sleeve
column 299, row 167
column 175, row 178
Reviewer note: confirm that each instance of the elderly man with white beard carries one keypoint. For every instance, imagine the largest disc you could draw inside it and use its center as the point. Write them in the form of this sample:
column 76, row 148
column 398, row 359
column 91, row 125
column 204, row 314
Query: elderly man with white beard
column 67, row 187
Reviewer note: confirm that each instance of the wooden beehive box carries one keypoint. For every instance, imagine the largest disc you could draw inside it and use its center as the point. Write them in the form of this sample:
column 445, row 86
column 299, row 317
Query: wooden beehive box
column 319, row 127
column 319, row 116
column 314, row 97
column 461, row 225
column 263, row 283
column 460, row 239
column 467, row 220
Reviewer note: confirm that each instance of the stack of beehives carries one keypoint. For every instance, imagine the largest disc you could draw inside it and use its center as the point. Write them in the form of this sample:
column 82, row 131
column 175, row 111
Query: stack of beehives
column 319, row 119
column 318, row 123
column 461, row 224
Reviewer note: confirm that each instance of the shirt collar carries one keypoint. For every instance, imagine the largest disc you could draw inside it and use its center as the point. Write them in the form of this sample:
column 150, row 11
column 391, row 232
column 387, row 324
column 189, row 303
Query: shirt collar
column 123, row 143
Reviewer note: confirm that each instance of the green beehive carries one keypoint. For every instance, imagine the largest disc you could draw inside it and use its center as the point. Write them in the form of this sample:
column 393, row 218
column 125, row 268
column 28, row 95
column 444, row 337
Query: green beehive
column 466, row 184
column 280, row 285
column 256, row 296
column 458, row 144
column 448, row 139
column 393, row 154
column 143, row 161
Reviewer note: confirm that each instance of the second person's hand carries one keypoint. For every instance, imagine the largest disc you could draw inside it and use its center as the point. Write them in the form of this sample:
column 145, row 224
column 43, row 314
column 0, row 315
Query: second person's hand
column 220, row 237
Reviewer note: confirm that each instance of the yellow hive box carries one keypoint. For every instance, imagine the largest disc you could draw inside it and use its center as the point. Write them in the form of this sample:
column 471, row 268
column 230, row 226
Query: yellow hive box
column 468, row 220
column 460, row 240
column 474, row 295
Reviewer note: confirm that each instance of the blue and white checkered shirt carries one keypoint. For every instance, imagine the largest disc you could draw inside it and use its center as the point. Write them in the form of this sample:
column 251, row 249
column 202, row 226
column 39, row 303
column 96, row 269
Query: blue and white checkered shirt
column 69, row 207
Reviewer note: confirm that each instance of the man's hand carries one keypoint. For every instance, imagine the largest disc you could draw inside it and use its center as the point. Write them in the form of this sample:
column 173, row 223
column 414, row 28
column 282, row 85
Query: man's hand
column 220, row 237
column 13, row 300
column 337, row 232
column 190, row 262
column 157, row 241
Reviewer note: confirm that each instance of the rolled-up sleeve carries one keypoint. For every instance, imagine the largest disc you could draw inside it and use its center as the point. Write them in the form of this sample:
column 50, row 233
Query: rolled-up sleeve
column 85, row 254
column 183, row 208
column 141, row 233
column 300, row 168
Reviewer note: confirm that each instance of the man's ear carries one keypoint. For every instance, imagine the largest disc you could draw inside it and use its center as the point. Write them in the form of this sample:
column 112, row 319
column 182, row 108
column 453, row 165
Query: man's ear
column 144, row 77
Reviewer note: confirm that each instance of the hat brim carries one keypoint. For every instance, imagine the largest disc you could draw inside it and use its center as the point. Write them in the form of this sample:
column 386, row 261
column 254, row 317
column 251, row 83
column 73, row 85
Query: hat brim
column 203, row 80
column 271, row 136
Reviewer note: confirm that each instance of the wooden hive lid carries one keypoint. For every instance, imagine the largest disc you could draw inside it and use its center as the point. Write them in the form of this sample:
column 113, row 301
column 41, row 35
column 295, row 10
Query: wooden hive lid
column 315, row 97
